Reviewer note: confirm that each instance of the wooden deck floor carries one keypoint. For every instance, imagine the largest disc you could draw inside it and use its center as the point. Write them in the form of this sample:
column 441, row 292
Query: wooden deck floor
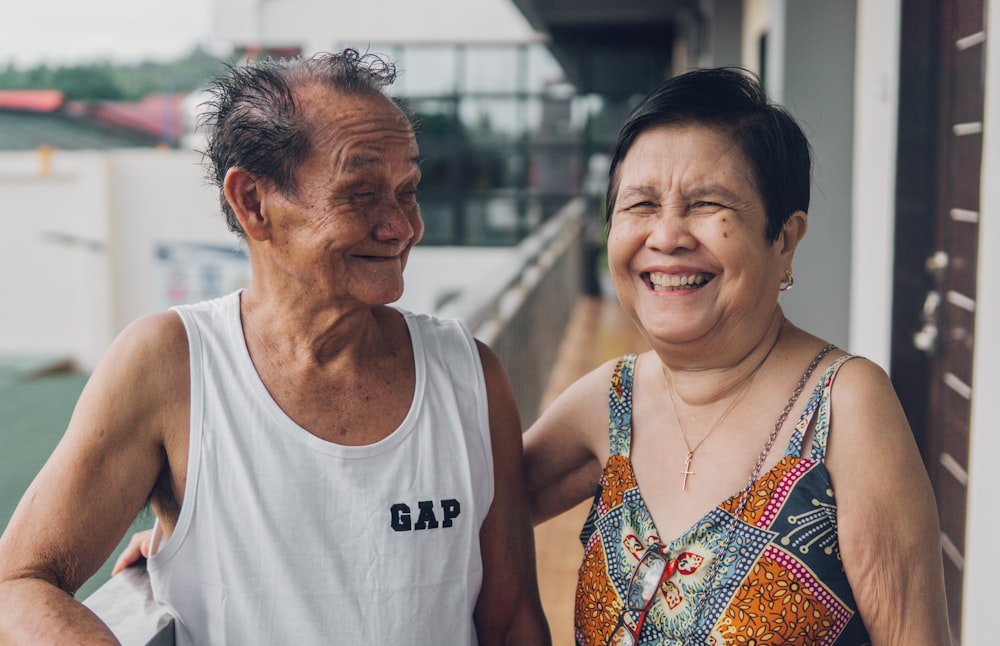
column 598, row 331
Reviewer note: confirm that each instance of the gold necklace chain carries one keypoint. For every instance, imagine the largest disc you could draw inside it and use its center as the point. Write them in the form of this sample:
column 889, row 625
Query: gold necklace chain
column 690, row 450
column 689, row 457
column 722, row 554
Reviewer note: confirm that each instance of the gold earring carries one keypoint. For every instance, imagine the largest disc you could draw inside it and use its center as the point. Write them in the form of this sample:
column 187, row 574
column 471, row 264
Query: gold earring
column 789, row 281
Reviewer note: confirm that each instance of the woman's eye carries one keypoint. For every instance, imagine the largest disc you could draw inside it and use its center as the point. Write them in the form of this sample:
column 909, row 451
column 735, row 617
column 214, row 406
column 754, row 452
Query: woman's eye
column 706, row 206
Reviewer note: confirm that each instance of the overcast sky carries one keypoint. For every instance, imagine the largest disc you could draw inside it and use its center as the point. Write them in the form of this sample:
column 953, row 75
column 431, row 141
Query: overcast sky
column 58, row 32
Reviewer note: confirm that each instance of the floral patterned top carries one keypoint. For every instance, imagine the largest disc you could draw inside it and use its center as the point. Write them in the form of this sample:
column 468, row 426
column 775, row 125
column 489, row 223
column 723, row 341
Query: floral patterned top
column 780, row 580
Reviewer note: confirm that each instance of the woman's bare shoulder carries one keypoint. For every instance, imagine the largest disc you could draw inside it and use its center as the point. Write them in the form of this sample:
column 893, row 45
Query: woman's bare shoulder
column 868, row 424
column 590, row 389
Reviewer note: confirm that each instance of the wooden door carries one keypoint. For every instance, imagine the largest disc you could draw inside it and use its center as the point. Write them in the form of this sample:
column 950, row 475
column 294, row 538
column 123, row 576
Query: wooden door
column 942, row 73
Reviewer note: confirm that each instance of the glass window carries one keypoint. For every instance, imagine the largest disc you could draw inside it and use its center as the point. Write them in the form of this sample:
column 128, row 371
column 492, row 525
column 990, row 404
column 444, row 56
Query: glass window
column 493, row 69
column 492, row 168
column 543, row 70
column 439, row 221
column 422, row 70
column 505, row 139
column 431, row 116
column 427, row 70
column 492, row 119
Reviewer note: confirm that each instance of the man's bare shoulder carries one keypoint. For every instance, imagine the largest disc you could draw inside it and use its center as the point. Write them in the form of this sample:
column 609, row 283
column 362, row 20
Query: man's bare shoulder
column 154, row 345
column 160, row 335
column 142, row 377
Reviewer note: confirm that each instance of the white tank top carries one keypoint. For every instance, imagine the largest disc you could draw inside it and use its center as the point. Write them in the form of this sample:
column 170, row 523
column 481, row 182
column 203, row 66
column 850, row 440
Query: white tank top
column 284, row 538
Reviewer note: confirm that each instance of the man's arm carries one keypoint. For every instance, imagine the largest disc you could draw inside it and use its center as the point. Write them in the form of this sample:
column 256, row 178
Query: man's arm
column 92, row 486
column 508, row 610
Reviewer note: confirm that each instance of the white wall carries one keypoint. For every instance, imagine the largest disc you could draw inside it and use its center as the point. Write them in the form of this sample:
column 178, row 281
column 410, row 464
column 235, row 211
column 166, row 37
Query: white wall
column 435, row 274
column 54, row 263
column 157, row 197
column 79, row 255
column 982, row 560
column 817, row 87
column 756, row 23
column 873, row 204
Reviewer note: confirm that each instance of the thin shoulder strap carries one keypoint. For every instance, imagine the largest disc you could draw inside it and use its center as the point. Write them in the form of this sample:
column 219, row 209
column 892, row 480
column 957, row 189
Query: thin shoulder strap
column 620, row 405
column 819, row 403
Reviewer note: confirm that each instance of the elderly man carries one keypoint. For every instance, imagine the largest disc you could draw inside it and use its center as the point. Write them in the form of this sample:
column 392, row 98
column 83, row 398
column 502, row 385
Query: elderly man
column 323, row 468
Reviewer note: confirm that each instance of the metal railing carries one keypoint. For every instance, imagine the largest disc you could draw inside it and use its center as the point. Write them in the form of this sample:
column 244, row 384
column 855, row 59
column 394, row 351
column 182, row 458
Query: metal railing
column 522, row 314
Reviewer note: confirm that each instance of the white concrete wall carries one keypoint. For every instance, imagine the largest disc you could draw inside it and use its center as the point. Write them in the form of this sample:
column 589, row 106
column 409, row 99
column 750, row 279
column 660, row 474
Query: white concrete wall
column 434, row 275
column 982, row 560
column 54, row 262
column 79, row 258
column 873, row 203
column 756, row 23
column 157, row 197
column 810, row 70
column 818, row 88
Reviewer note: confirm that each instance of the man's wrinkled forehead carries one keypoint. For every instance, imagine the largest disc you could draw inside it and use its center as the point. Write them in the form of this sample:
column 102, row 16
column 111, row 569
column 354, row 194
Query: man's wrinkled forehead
column 359, row 131
column 362, row 162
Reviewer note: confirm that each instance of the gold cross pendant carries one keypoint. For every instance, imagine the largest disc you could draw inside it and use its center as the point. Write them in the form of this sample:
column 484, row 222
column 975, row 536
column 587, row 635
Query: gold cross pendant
column 687, row 469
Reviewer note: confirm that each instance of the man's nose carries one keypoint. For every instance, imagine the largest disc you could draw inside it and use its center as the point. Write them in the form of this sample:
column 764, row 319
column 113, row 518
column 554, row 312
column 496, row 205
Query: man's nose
column 394, row 221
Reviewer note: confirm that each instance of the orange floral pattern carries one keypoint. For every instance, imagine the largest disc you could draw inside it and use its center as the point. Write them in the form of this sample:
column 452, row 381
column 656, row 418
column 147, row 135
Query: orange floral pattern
column 779, row 580
column 774, row 606
column 597, row 603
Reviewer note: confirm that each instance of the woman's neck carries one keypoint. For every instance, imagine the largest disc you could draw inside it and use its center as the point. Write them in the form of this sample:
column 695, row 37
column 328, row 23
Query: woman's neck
column 718, row 375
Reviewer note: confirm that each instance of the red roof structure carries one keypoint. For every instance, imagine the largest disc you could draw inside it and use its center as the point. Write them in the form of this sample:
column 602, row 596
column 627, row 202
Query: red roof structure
column 158, row 118
column 158, row 115
column 31, row 100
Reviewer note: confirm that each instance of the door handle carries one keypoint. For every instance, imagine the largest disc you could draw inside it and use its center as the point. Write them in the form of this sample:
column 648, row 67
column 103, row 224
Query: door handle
column 925, row 339
column 936, row 263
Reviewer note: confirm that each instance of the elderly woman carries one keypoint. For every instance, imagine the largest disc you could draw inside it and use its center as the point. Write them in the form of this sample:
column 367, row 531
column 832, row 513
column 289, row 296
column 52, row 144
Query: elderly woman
column 826, row 532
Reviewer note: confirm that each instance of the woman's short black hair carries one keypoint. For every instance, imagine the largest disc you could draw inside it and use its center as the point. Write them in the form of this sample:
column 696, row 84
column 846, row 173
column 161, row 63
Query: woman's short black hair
column 731, row 101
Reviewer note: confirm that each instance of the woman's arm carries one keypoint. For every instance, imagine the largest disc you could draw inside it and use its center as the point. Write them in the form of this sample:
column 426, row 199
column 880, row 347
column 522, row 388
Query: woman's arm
column 565, row 450
column 886, row 514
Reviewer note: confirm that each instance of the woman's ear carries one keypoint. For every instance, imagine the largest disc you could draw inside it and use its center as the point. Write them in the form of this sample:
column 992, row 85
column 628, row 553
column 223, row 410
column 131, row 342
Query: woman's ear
column 792, row 233
column 244, row 193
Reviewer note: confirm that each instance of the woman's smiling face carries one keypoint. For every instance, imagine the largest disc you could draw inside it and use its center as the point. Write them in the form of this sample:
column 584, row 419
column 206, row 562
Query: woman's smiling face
column 687, row 247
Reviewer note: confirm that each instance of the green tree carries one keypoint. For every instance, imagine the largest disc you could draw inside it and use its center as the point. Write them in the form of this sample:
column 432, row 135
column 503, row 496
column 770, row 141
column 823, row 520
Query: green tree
column 109, row 82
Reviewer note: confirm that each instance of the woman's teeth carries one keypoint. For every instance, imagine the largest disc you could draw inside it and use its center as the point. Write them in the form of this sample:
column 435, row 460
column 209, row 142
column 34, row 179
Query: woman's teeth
column 671, row 282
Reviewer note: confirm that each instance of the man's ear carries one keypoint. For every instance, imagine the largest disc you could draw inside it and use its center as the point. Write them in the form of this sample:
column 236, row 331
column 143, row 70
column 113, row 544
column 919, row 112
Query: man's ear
column 792, row 233
column 245, row 195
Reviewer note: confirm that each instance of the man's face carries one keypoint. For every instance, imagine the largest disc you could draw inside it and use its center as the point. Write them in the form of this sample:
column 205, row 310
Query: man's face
column 349, row 226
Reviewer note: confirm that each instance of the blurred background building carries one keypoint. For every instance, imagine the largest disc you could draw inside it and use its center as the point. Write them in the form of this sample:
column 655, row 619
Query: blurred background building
column 106, row 215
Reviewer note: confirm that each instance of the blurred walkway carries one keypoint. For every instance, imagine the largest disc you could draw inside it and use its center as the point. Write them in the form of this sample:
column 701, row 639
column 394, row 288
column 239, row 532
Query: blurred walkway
column 598, row 331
